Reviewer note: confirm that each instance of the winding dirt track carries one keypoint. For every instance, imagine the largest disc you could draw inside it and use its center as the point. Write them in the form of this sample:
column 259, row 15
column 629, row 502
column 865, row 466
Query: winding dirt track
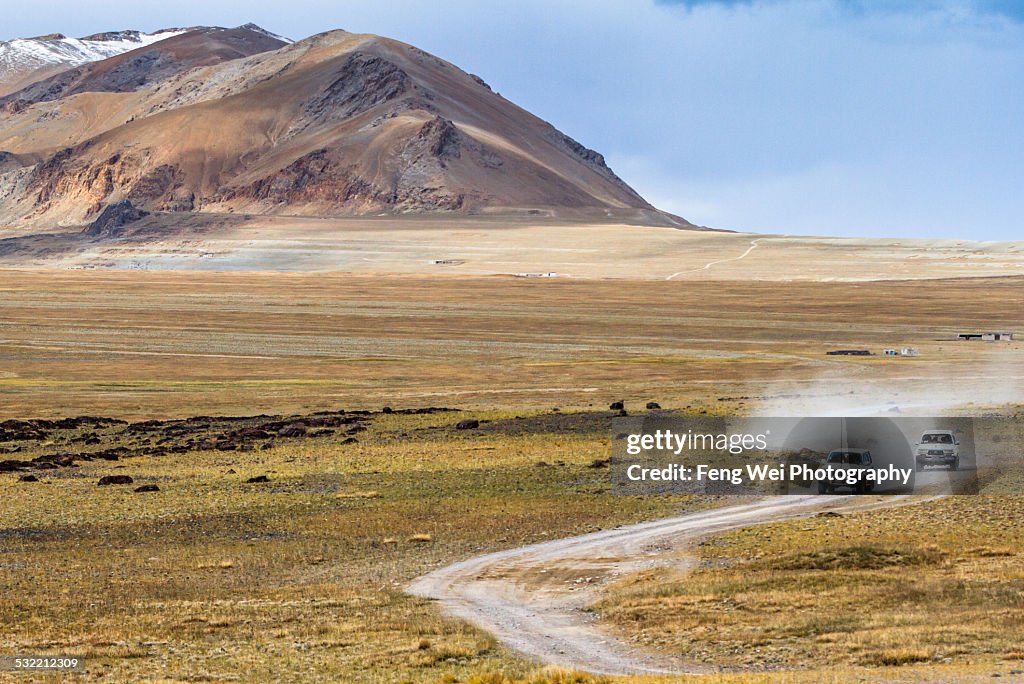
column 707, row 266
column 534, row 598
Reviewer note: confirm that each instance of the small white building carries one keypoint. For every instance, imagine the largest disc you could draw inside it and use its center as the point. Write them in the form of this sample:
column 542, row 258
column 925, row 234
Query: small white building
column 906, row 351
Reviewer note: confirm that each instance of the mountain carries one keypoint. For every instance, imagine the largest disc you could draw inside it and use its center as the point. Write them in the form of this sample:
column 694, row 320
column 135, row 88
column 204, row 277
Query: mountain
column 221, row 121
column 25, row 60
column 137, row 68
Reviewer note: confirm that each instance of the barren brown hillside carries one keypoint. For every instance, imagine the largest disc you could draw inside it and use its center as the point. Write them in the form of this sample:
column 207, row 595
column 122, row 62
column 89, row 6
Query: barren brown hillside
column 337, row 124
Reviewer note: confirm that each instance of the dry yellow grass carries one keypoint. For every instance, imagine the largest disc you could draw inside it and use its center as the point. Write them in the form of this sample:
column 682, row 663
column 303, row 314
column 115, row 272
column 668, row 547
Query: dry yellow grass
column 157, row 345
column 302, row 578
column 886, row 588
column 211, row 578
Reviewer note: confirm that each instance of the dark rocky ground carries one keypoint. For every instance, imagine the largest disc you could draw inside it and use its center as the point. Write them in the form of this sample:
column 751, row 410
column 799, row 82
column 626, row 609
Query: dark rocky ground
column 32, row 445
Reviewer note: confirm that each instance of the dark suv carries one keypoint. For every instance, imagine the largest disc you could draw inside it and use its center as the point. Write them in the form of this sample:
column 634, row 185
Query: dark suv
column 845, row 460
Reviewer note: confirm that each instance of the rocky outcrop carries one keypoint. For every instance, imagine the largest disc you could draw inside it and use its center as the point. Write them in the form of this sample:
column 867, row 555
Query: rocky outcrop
column 359, row 84
column 114, row 218
column 313, row 178
column 324, row 177
column 162, row 189
column 108, row 480
column 438, row 138
column 8, row 161
column 64, row 176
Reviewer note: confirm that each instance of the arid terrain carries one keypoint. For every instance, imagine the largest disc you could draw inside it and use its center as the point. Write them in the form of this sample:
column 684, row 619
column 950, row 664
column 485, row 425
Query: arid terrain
column 335, row 124
column 137, row 344
column 282, row 546
column 296, row 338
column 304, row 575
column 503, row 244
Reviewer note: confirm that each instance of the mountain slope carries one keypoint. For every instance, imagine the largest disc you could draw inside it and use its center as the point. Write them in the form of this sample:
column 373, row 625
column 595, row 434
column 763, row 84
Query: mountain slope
column 25, row 60
column 139, row 67
column 337, row 124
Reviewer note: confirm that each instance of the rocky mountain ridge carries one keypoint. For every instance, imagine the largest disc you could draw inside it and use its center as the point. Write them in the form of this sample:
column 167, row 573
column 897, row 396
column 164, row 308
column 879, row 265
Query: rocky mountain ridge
column 339, row 124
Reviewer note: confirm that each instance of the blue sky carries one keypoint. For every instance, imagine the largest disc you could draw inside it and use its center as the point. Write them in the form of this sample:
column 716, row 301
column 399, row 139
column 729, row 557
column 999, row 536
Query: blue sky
column 842, row 117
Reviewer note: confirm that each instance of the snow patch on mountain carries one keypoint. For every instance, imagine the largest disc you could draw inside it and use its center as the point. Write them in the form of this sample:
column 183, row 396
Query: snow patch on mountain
column 22, row 54
column 259, row 29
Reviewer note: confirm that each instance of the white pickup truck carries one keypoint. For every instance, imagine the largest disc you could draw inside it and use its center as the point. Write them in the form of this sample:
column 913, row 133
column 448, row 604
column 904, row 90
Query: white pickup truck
column 938, row 447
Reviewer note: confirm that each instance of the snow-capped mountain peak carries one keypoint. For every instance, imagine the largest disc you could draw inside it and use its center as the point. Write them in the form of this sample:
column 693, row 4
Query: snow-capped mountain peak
column 24, row 54
column 259, row 29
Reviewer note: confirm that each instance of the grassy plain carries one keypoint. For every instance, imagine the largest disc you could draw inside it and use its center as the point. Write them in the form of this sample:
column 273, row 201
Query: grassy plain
column 300, row 578
column 164, row 344
column 938, row 583
column 213, row 578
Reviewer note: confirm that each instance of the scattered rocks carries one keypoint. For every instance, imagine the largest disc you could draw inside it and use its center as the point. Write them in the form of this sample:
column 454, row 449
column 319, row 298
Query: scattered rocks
column 469, row 424
column 117, row 440
column 617, row 405
column 14, row 466
column 253, row 433
column 331, row 421
column 147, row 488
column 653, row 405
column 115, row 480
column 293, row 430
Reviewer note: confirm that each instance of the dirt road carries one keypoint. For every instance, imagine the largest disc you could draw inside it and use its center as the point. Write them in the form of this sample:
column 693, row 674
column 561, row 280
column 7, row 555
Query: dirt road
column 534, row 598
column 707, row 266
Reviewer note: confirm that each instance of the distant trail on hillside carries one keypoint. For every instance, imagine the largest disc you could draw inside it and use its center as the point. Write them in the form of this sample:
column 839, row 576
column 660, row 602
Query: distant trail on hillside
column 705, row 267
column 534, row 599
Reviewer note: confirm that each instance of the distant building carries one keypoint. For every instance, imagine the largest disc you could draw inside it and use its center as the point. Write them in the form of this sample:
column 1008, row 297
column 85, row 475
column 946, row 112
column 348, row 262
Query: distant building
column 906, row 351
column 985, row 336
